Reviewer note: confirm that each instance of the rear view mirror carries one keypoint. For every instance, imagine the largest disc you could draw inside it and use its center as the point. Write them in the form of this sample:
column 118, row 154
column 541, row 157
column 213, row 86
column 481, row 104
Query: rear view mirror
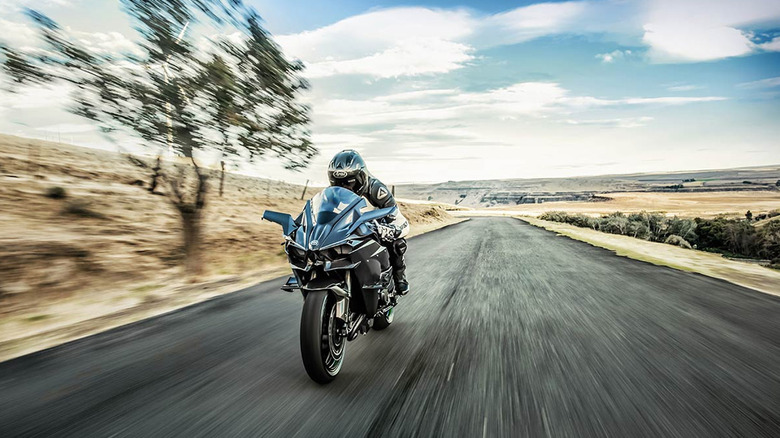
column 283, row 219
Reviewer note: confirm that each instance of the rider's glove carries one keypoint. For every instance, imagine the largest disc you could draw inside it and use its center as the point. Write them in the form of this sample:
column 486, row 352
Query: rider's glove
column 386, row 233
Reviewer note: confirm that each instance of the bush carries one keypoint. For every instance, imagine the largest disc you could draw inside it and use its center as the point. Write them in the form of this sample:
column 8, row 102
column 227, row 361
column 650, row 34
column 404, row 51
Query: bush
column 639, row 229
column 56, row 193
column 614, row 223
column 736, row 237
column 81, row 208
column 677, row 241
column 685, row 228
column 769, row 236
column 579, row 220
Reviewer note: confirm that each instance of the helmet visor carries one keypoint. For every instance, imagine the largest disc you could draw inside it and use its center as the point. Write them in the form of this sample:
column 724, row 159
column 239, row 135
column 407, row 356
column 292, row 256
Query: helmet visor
column 350, row 183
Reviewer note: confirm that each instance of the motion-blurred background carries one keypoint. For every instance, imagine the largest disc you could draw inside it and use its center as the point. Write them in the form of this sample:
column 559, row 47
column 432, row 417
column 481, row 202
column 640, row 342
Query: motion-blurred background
column 140, row 141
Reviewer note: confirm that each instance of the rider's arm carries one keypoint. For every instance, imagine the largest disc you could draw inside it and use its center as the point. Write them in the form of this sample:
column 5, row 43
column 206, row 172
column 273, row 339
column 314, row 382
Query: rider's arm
column 380, row 197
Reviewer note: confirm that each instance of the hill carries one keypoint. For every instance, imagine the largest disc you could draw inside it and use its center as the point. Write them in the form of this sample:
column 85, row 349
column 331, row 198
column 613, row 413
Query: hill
column 507, row 192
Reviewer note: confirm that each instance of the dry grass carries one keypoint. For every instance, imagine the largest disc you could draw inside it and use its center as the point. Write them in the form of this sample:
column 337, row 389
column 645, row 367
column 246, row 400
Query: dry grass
column 109, row 252
column 713, row 265
column 701, row 204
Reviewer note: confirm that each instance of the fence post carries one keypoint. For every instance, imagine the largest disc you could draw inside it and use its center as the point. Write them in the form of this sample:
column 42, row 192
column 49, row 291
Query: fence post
column 222, row 178
column 304, row 190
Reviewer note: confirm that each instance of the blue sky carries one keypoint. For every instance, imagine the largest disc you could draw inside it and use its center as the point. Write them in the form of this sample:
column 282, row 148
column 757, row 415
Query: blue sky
column 439, row 90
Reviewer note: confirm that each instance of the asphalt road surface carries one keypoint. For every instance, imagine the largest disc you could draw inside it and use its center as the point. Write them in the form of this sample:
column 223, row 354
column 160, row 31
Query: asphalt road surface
column 509, row 330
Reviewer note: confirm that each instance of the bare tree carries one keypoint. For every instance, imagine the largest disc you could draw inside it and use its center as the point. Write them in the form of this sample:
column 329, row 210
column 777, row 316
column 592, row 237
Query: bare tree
column 236, row 98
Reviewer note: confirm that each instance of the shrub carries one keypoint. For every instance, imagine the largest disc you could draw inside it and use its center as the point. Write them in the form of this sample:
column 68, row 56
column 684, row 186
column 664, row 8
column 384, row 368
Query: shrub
column 769, row 236
column 56, row 192
column 614, row 223
column 685, row 228
column 639, row 229
column 677, row 241
column 737, row 237
column 742, row 239
column 711, row 232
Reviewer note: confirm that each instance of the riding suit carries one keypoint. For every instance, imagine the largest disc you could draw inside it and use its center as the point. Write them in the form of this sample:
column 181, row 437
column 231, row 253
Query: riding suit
column 348, row 170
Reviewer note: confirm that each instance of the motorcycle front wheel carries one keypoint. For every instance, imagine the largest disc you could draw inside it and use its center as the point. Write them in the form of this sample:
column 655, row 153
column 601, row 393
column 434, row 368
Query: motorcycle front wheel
column 322, row 347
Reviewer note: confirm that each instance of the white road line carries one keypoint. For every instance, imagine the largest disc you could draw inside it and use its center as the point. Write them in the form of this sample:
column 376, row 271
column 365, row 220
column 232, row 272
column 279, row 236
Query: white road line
column 449, row 376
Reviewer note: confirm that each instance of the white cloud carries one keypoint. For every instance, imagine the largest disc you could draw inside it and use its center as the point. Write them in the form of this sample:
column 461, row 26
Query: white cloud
column 525, row 99
column 771, row 46
column 613, row 56
column 529, row 22
column 339, row 139
column 413, row 95
column 695, row 43
column 386, row 43
column 373, row 32
column 684, row 87
column 405, row 58
column 704, row 30
column 106, row 43
column 763, row 83
column 413, row 41
column 627, row 122
column 16, row 34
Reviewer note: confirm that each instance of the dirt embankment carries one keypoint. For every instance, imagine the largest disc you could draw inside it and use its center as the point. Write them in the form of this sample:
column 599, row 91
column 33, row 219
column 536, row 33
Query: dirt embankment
column 82, row 238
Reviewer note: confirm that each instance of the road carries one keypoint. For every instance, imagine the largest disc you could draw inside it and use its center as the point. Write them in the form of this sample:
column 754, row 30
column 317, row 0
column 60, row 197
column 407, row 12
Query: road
column 510, row 330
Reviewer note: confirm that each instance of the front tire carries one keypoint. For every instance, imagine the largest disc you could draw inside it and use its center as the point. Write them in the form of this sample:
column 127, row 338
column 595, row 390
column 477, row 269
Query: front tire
column 322, row 348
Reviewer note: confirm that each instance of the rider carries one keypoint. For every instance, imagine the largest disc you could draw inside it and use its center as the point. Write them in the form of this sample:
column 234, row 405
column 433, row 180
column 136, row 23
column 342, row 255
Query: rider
column 347, row 169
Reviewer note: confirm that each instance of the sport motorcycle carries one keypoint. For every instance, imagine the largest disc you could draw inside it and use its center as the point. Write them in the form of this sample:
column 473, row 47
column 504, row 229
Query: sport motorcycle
column 343, row 272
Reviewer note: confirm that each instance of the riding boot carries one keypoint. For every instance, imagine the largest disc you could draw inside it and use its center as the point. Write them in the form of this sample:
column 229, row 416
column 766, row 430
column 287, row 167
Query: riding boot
column 398, row 248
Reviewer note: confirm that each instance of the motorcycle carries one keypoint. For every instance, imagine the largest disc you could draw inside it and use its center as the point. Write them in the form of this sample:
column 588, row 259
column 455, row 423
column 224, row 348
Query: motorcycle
column 343, row 272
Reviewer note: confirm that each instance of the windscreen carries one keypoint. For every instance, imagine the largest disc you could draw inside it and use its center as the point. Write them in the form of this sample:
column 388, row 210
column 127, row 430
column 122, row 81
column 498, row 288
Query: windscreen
column 327, row 204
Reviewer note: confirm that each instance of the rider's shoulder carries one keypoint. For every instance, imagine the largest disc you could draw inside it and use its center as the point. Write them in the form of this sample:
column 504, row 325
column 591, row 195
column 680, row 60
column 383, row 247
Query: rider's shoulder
column 379, row 194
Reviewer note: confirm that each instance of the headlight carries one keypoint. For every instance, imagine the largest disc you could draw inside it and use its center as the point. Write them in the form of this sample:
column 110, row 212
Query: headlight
column 343, row 249
column 296, row 253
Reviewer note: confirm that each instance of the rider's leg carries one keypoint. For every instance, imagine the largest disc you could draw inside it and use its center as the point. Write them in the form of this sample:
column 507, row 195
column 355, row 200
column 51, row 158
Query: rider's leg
column 397, row 249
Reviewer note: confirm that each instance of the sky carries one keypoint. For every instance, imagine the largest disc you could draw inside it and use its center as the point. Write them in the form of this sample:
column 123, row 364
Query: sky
column 437, row 90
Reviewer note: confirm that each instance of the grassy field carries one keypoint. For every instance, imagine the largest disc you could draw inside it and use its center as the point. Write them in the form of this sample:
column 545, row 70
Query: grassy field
column 695, row 204
column 109, row 252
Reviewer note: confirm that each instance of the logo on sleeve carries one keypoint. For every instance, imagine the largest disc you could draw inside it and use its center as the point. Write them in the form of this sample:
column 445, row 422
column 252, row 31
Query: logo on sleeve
column 381, row 193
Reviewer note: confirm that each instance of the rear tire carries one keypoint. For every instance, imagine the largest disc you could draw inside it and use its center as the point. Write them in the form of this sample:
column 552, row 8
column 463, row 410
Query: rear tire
column 322, row 349
column 382, row 322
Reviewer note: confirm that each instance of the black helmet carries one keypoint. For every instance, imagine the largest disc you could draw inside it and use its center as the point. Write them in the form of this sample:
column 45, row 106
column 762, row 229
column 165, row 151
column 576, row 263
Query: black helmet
column 347, row 169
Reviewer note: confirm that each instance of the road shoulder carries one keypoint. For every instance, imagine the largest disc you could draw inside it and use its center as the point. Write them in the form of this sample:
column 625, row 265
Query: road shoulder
column 713, row 265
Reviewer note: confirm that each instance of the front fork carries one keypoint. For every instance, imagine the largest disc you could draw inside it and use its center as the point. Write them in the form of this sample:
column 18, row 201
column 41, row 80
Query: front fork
column 342, row 298
column 351, row 328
